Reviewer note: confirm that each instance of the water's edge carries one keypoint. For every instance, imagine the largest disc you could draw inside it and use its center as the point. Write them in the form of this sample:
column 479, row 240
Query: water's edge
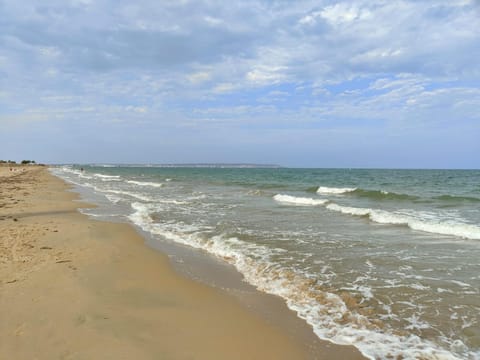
column 200, row 266
column 225, row 229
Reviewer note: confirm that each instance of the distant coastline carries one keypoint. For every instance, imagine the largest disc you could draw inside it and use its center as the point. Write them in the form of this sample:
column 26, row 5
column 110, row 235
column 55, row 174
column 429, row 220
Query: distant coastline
column 249, row 166
column 192, row 165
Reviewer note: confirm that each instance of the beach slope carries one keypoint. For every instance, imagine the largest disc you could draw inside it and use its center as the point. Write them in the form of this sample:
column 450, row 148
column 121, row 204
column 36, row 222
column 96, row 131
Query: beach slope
column 75, row 288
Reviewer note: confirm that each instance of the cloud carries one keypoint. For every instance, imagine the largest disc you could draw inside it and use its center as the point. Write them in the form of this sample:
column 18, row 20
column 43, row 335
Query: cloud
column 342, row 13
column 269, row 43
column 253, row 64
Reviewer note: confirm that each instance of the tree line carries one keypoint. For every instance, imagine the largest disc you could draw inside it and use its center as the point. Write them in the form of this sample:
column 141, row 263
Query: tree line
column 23, row 162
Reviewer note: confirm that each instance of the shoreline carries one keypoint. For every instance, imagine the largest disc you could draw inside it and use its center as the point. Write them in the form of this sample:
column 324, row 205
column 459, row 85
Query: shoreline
column 73, row 287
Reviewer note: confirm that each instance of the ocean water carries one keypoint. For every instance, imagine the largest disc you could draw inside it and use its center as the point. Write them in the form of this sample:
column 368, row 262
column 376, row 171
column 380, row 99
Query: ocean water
column 386, row 260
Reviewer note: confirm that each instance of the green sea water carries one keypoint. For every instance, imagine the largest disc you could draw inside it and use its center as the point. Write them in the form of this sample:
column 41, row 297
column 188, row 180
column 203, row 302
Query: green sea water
column 386, row 260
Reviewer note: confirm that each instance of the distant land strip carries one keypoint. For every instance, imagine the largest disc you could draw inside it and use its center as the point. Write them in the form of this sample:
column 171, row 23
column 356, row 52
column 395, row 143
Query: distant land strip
column 214, row 165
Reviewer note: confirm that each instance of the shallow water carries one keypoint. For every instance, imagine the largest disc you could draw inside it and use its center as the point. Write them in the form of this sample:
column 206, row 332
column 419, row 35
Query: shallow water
column 386, row 260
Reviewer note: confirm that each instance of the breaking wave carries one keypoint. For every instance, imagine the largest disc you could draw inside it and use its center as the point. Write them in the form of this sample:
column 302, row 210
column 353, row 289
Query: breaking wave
column 462, row 230
column 333, row 190
column 107, row 177
column 372, row 194
column 466, row 231
column 386, row 195
column 329, row 314
column 382, row 195
column 144, row 183
column 299, row 200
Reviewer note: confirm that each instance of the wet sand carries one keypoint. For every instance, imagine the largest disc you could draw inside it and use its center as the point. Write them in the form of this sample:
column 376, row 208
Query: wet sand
column 75, row 288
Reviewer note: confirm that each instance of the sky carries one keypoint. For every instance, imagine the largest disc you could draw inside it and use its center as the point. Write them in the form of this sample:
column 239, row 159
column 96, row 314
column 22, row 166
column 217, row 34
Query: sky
column 359, row 83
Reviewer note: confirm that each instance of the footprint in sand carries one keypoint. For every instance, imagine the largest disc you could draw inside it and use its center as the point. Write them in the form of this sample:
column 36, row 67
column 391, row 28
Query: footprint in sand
column 81, row 319
column 20, row 330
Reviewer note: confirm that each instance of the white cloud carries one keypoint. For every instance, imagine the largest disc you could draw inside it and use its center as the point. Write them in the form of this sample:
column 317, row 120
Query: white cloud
column 213, row 21
column 342, row 13
column 224, row 88
column 310, row 19
column 265, row 75
column 310, row 62
column 199, row 77
column 136, row 109
column 400, row 81
column 50, row 51
column 377, row 54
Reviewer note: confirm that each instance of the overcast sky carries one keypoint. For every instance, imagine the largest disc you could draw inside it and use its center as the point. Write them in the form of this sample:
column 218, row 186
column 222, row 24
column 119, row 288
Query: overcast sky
column 365, row 83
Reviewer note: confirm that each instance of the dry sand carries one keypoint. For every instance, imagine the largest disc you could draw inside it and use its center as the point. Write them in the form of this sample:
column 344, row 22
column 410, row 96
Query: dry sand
column 75, row 288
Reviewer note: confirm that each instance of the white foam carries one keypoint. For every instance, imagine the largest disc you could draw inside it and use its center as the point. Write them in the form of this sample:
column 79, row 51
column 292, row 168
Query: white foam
column 107, row 177
column 325, row 312
column 333, row 190
column 144, row 183
column 299, row 200
column 114, row 199
column 72, row 171
column 69, row 170
column 460, row 283
column 58, row 172
column 442, row 290
column 416, row 323
column 348, row 210
column 197, row 196
column 466, row 231
column 326, row 316
column 171, row 201
column 128, row 193
column 141, row 216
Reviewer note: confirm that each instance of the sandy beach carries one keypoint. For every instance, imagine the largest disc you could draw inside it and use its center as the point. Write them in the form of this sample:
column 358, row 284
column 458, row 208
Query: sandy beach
column 75, row 288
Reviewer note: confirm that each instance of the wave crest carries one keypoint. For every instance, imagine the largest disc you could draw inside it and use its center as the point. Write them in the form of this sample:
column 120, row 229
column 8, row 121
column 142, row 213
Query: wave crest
column 333, row 317
column 466, row 231
column 382, row 195
column 144, row 183
column 333, row 190
column 301, row 201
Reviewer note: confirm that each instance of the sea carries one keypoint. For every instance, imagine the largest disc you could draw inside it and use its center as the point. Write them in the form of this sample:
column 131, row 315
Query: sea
column 385, row 260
